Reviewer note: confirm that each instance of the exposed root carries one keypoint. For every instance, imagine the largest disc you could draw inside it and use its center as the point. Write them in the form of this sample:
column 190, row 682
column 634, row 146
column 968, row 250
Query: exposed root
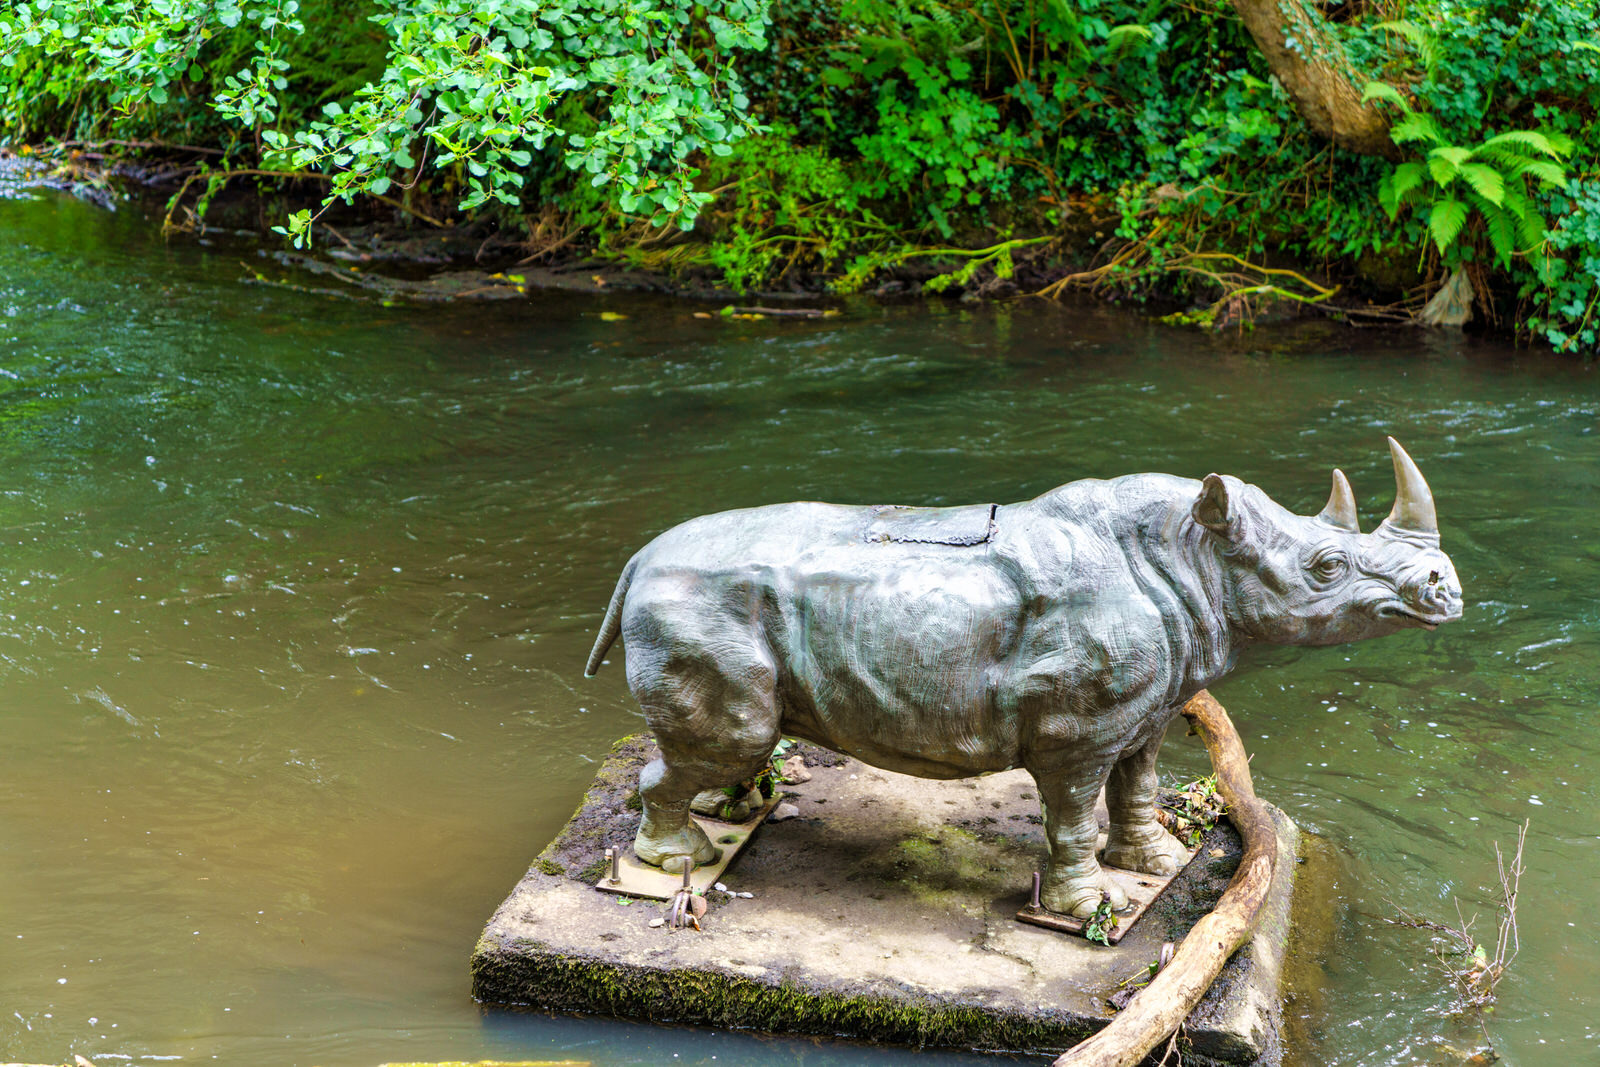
column 216, row 179
column 997, row 257
column 1244, row 285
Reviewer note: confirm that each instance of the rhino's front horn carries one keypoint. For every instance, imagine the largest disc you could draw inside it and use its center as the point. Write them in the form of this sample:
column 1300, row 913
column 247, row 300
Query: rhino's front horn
column 1341, row 509
column 1413, row 500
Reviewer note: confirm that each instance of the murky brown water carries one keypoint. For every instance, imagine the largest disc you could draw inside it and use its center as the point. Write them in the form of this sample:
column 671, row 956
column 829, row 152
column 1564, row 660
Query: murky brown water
column 297, row 593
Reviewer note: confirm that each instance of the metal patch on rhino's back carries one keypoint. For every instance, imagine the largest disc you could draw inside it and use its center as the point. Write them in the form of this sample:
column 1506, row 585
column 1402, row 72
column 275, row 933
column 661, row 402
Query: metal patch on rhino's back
column 969, row 524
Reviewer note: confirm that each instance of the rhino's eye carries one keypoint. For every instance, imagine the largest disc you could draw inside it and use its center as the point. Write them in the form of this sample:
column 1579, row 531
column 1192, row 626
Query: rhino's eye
column 1329, row 568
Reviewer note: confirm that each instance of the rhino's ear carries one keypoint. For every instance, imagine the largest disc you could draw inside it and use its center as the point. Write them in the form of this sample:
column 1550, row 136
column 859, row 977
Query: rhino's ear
column 1212, row 509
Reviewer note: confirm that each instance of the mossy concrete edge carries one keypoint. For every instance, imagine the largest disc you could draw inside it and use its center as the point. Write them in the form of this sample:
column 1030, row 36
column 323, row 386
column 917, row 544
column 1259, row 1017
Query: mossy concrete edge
column 534, row 975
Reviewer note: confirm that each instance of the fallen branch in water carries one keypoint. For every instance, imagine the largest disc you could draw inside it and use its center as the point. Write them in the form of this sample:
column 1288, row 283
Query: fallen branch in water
column 1465, row 962
column 793, row 313
column 1163, row 1005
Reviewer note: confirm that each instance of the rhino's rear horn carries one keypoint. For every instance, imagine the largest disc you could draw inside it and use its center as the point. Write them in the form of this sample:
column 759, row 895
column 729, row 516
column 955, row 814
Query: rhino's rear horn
column 1341, row 509
column 1413, row 500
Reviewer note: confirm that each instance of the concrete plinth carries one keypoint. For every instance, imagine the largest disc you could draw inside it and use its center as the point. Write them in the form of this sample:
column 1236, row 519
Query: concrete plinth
column 884, row 912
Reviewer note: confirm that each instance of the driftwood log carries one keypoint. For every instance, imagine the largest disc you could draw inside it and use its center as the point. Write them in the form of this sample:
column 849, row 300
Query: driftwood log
column 1162, row 1005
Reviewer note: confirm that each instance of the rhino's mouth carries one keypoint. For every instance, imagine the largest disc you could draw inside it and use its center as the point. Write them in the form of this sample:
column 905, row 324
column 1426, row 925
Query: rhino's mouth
column 1410, row 617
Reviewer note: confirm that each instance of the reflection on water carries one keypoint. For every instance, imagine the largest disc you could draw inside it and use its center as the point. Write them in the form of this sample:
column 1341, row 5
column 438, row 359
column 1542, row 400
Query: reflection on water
column 297, row 594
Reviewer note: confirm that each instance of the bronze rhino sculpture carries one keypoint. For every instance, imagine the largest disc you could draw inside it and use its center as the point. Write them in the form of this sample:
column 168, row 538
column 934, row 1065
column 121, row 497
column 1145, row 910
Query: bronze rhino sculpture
column 1060, row 635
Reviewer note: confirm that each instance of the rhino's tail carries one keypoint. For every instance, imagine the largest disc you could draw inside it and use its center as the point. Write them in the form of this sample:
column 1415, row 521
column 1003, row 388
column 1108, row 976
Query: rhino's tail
column 611, row 625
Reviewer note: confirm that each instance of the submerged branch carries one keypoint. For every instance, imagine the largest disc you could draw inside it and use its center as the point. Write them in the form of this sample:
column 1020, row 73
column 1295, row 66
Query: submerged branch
column 1461, row 958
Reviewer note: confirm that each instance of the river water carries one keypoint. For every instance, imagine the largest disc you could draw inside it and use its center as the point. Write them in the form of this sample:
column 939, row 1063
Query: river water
column 297, row 593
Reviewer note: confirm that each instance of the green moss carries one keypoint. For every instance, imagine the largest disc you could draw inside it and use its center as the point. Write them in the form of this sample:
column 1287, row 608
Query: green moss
column 932, row 865
column 578, row 851
column 577, row 984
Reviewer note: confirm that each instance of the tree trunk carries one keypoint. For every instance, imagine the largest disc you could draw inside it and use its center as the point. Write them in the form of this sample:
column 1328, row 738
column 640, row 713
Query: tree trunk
column 1314, row 71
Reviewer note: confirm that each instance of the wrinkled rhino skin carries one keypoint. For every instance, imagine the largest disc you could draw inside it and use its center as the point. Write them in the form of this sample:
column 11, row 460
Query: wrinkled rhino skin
column 1061, row 635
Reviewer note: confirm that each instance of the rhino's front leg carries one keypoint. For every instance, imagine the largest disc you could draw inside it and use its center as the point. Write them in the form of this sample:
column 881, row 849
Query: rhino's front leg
column 1073, row 881
column 1136, row 841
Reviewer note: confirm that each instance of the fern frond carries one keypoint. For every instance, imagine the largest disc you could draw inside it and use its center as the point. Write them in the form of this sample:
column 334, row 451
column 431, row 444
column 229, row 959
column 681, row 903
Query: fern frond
column 1421, row 38
column 1502, row 235
column 1485, row 181
column 1530, row 231
column 1552, row 174
column 1517, row 141
column 1444, row 171
column 1417, row 127
column 1406, row 177
column 1445, row 222
column 1385, row 92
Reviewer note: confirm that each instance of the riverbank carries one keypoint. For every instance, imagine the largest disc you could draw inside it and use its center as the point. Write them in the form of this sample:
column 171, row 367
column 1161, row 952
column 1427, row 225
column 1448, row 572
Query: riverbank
column 1436, row 161
column 372, row 251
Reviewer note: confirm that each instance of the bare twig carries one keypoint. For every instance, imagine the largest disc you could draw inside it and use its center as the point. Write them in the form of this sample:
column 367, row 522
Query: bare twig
column 164, row 146
column 1466, row 963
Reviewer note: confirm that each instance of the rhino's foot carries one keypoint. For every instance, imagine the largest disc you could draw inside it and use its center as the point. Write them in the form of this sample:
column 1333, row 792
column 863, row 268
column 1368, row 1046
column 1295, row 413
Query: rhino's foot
column 717, row 804
column 657, row 848
column 1079, row 897
column 1150, row 851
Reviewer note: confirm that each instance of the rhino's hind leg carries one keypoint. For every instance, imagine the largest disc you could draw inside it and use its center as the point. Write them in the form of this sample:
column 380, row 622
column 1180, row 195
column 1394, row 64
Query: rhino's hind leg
column 666, row 829
column 716, row 722
column 1073, row 882
column 1136, row 841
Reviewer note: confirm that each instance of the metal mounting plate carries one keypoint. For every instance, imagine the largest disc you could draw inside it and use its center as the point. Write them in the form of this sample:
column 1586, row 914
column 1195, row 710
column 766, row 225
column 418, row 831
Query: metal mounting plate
column 1143, row 890
column 639, row 879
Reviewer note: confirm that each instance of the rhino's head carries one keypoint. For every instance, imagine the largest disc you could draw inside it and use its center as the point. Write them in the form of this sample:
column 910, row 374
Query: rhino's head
column 1288, row 579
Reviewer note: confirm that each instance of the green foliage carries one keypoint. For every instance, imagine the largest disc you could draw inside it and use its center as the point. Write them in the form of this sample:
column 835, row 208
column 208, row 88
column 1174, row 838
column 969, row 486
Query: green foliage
column 1489, row 182
column 1099, row 926
column 1565, row 314
column 471, row 89
column 786, row 207
column 1499, row 100
column 929, row 137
